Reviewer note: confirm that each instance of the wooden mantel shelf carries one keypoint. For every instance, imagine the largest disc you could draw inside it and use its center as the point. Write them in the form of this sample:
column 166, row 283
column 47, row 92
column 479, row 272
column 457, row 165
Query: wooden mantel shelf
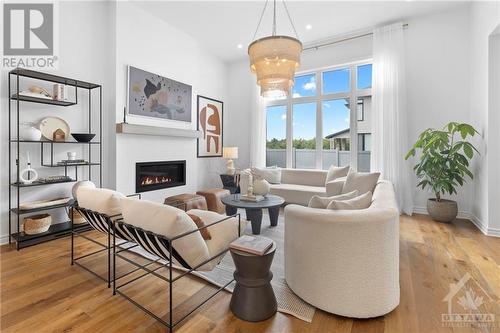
column 124, row 128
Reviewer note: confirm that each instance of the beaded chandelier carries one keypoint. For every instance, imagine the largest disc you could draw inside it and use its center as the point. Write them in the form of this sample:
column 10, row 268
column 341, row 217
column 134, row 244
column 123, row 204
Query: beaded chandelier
column 274, row 59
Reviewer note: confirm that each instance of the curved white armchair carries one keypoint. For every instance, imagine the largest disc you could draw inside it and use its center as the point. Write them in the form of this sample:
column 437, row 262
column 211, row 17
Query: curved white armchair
column 347, row 261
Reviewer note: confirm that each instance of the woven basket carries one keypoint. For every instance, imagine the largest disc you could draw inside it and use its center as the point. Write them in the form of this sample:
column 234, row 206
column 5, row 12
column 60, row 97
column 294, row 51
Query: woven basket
column 37, row 224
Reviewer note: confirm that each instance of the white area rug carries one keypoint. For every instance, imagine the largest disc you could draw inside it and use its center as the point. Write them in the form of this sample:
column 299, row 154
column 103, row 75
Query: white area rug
column 288, row 302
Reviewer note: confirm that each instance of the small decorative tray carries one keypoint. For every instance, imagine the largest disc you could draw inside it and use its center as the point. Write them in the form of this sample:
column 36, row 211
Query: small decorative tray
column 43, row 203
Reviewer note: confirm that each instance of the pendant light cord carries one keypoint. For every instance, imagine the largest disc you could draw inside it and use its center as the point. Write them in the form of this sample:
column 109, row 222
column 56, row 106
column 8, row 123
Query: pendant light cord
column 274, row 19
column 290, row 19
column 260, row 20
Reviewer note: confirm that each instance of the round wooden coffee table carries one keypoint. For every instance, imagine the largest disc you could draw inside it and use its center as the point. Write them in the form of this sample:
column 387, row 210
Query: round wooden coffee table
column 254, row 209
column 253, row 297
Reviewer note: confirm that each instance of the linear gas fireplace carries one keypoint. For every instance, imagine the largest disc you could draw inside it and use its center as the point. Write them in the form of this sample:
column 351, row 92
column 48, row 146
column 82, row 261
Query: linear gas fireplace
column 150, row 176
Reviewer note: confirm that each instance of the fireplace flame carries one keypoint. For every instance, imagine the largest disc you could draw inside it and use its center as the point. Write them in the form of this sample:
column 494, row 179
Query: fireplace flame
column 152, row 180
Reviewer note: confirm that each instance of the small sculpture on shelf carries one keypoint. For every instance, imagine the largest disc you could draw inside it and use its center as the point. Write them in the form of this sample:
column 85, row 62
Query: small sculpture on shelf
column 59, row 135
column 29, row 171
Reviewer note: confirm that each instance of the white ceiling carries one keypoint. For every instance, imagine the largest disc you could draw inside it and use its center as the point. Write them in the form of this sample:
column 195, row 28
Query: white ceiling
column 222, row 25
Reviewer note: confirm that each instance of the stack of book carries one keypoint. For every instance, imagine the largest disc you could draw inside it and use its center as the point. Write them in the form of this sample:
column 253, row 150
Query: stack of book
column 252, row 244
column 71, row 162
column 252, row 198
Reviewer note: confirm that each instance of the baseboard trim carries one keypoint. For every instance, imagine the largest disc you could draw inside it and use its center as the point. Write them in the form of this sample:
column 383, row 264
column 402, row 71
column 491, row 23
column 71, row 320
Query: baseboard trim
column 4, row 239
column 466, row 215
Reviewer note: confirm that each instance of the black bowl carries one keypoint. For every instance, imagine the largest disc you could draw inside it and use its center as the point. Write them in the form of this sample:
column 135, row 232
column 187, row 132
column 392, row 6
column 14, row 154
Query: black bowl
column 83, row 137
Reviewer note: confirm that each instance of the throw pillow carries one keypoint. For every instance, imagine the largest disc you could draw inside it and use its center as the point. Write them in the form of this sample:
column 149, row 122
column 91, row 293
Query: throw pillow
column 336, row 172
column 362, row 201
column 322, row 202
column 271, row 174
column 199, row 223
column 361, row 181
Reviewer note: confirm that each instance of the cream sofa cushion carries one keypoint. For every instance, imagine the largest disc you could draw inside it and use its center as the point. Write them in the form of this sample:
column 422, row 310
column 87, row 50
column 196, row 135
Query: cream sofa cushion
column 335, row 172
column 297, row 194
column 322, row 202
column 167, row 221
column 361, row 181
column 334, row 187
column 99, row 200
column 362, row 201
column 271, row 174
column 306, row 177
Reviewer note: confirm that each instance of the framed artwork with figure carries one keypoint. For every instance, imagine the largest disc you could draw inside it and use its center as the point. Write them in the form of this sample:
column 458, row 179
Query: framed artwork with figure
column 210, row 124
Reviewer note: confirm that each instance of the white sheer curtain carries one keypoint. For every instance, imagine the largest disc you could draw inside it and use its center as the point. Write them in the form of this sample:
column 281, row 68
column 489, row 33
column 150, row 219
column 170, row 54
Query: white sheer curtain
column 258, row 130
column 389, row 123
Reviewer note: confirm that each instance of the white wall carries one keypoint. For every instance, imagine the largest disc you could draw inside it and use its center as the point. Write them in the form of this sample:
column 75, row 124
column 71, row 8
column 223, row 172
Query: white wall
column 149, row 43
column 437, row 62
column 484, row 18
column 84, row 54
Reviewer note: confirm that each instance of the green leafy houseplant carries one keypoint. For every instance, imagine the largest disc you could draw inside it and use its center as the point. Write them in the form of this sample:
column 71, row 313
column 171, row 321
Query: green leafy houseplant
column 443, row 164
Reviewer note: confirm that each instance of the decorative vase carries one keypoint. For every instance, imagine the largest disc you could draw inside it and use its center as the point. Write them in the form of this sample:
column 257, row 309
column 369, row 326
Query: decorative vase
column 29, row 132
column 261, row 187
column 442, row 211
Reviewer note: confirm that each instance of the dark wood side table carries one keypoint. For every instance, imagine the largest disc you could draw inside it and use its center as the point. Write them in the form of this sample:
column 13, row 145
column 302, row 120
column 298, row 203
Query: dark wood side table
column 231, row 183
column 254, row 209
column 253, row 297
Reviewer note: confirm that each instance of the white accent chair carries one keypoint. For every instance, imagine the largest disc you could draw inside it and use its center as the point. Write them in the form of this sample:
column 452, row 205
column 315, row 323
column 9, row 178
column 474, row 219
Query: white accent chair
column 345, row 262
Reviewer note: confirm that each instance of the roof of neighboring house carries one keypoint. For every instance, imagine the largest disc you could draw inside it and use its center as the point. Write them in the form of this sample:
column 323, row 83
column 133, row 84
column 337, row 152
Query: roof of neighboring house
column 332, row 136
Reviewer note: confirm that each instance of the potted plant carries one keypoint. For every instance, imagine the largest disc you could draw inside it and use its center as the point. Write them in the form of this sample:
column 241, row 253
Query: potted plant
column 443, row 165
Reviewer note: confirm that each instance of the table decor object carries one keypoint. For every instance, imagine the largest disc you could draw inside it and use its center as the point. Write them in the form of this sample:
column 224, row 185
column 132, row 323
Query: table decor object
column 252, row 244
column 36, row 224
column 54, row 128
column 261, row 187
column 83, row 137
column 28, row 175
column 43, row 203
column 60, row 92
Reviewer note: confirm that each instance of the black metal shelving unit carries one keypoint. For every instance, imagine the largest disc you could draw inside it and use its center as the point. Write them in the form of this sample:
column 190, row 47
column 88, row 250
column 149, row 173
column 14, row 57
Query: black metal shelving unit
column 60, row 229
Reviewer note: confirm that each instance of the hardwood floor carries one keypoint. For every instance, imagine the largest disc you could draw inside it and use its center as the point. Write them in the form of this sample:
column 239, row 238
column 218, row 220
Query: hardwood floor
column 41, row 292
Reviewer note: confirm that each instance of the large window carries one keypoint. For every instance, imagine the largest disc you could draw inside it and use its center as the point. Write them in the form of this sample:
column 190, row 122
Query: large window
column 315, row 128
column 276, row 135
column 304, row 135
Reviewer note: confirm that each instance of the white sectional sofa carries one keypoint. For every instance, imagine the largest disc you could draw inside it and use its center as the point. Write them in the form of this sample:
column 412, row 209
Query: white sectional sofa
column 346, row 261
column 299, row 185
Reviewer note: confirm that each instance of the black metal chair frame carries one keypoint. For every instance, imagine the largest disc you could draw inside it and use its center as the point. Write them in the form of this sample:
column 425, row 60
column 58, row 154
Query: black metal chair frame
column 170, row 279
column 87, row 213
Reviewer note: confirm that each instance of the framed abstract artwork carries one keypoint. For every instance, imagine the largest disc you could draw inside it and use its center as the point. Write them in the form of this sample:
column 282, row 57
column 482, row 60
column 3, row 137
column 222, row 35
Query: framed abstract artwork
column 210, row 124
column 153, row 96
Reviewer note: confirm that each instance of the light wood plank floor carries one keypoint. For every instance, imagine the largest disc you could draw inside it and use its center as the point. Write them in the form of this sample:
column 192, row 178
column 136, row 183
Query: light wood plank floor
column 41, row 292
